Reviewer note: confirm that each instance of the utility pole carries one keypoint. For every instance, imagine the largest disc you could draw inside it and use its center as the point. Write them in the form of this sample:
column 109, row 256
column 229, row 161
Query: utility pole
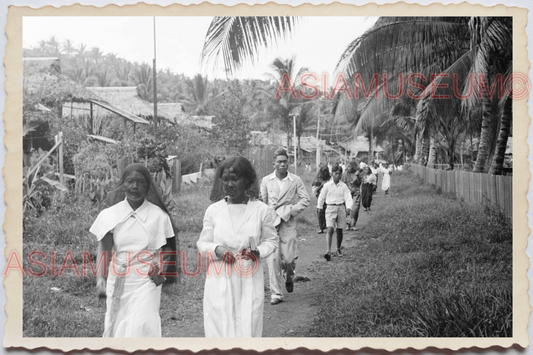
column 154, row 75
column 295, row 145
column 318, row 153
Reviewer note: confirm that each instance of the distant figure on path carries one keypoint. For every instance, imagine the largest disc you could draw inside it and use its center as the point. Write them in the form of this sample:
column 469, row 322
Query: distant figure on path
column 286, row 194
column 136, row 227
column 322, row 177
column 367, row 187
column 352, row 179
column 238, row 234
column 385, row 184
column 337, row 196
column 375, row 170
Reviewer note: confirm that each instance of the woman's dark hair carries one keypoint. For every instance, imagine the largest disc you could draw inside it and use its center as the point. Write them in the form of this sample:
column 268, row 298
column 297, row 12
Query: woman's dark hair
column 325, row 175
column 239, row 166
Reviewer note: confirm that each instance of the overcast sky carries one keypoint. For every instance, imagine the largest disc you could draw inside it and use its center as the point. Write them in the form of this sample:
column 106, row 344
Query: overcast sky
column 317, row 42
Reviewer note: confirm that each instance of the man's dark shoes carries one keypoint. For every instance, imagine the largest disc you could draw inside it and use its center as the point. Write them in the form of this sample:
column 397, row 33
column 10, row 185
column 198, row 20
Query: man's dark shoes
column 327, row 256
column 289, row 285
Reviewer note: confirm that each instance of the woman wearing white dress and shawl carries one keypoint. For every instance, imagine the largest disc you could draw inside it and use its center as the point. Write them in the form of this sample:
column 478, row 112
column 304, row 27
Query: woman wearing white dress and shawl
column 134, row 234
column 238, row 235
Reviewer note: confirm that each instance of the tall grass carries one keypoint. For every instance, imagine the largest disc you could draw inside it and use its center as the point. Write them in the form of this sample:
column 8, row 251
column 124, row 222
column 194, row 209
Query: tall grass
column 66, row 305
column 425, row 265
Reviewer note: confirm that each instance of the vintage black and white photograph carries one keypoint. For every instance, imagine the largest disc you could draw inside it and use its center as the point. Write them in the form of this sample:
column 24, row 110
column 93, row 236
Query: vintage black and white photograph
column 268, row 176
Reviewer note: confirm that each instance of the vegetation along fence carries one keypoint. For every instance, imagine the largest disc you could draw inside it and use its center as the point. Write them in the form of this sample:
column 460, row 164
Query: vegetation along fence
column 478, row 188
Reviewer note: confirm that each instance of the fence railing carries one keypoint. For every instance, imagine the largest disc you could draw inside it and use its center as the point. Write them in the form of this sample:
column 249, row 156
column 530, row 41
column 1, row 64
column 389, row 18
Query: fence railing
column 477, row 188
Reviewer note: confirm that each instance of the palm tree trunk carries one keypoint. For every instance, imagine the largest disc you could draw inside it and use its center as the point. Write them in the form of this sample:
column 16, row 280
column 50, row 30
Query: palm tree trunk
column 425, row 151
column 418, row 148
column 501, row 145
column 484, row 139
column 451, row 153
column 432, row 157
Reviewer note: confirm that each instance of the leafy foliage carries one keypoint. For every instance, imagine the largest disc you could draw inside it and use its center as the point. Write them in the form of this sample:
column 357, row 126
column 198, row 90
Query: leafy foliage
column 232, row 129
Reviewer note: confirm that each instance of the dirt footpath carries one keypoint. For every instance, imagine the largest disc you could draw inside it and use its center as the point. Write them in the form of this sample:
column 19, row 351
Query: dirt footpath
column 293, row 316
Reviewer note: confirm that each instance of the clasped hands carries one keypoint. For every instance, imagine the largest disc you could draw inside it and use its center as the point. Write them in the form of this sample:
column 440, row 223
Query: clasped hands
column 224, row 253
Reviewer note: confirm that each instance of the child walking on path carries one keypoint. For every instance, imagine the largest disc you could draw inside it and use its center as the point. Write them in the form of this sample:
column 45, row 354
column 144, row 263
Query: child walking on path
column 337, row 196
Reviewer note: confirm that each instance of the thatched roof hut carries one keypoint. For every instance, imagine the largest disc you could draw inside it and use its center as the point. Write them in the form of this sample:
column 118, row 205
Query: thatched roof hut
column 127, row 99
column 43, row 82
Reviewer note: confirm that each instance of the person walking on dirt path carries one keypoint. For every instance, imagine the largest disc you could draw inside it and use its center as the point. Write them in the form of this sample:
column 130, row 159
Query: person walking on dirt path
column 337, row 196
column 322, row 177
column 238, row 234
column 374, row 168
column 134, row 235
column 367, row 187
column 352, row 179
column 386, row 171
column 286, row 194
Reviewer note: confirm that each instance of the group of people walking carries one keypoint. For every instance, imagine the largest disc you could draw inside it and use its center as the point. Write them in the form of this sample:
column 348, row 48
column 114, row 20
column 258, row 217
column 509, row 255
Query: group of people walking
column 248, row 222
column 340, row 195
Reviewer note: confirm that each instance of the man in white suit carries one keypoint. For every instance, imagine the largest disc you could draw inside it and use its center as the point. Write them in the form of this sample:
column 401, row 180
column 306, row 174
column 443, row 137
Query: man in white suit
column 286, row 194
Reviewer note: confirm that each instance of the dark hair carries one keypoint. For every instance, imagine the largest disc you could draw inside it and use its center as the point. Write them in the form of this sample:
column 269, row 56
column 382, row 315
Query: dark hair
column 280, row 151
column 325, row 174
column 240, row 166
column 336, row 168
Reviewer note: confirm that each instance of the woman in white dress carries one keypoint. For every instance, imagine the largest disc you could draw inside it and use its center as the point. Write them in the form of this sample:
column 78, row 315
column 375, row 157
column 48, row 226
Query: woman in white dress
column 237, row 236
column 133, row 235
column 386, row 171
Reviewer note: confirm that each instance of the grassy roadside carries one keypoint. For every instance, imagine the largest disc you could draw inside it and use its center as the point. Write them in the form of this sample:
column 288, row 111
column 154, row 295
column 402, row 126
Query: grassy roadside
column 425, row 265
column 66, row 305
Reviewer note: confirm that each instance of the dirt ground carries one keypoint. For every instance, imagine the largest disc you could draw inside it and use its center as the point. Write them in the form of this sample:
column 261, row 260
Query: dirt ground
column 293, row 316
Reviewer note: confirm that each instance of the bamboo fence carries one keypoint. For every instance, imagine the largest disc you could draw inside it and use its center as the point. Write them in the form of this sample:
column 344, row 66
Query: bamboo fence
column 494, row 190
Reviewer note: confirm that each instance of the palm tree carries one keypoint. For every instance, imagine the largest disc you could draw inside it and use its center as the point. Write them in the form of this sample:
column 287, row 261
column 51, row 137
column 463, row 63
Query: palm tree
column 122, row 72
column 234, row 39
column 282, row 93
column 141, row 76
column 68, row 47
column 491, row 44
column 53, row 47
column 198, row 95
column 397, row 45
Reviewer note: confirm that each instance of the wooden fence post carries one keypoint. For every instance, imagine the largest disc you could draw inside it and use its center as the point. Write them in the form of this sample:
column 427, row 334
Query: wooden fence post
column 121, row 165
column 60, row 151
